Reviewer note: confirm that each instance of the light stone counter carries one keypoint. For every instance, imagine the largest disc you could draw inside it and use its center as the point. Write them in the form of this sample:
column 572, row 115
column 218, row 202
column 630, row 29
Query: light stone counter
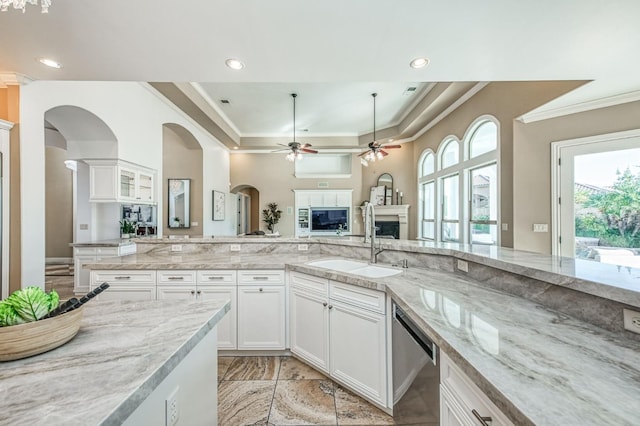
column 117, row 242
column 538, row 366
column 120, row 355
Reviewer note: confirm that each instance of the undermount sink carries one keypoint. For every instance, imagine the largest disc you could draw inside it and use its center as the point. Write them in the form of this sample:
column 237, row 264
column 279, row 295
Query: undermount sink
column 356, row 268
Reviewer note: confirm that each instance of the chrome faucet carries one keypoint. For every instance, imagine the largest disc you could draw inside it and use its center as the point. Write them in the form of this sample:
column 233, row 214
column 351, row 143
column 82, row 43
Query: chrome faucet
column 370, row 231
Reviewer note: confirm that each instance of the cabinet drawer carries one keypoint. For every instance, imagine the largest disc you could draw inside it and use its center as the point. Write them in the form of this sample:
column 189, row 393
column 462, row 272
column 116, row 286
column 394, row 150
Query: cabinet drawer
column 217, row 277
column 127, row 249
column 176, row 277
column 365, row 298
column 84, row 251
column 308, row 282
column 467, row 394
column 261, row 277
column 107, row 251
column 123, row 277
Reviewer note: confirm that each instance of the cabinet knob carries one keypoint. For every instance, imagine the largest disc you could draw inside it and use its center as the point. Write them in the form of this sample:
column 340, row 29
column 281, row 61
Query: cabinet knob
column 193, row 292
column 199, row 292
column 260, row 289
column 324, row 304
column 330, row 306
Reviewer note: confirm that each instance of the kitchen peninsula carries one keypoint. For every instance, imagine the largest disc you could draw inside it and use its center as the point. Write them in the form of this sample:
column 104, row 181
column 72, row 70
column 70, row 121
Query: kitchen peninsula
column 539, row 336
column 127, row 358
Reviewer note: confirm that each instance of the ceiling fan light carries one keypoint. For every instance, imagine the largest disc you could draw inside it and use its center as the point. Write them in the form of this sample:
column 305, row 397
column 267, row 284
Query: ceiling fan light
column 379, row 155
column 364, row 162
column 298, row 156
column 291, row 156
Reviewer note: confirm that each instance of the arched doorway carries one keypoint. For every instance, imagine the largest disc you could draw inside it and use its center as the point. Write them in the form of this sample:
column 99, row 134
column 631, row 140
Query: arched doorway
column 248, row 201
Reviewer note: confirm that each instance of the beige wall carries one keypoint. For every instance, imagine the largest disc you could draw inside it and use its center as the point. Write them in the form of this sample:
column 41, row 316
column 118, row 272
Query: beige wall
column 183, row 160
column 59, row 193
column 10, row 99
column 272, row 176
column 532, row 162
column 505, row 101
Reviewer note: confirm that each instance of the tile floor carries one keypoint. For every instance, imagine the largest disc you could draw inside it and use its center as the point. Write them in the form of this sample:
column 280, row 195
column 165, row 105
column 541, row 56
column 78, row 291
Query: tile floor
column 273, row 391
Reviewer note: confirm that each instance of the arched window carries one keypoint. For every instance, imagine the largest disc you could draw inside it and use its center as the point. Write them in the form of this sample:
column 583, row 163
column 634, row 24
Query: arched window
column 483, row 139
column 450, row 154
column 458, row 187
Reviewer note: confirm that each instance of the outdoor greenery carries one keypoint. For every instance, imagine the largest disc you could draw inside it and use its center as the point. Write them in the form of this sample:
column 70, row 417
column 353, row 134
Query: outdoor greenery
column 271, row 215
column 612, row 216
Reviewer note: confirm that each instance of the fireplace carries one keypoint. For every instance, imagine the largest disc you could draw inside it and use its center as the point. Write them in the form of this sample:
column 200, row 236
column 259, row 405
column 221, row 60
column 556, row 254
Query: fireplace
column 393, row 216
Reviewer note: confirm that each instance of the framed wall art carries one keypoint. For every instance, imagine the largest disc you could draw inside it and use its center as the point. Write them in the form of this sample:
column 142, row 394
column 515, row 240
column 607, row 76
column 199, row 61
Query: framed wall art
column 218, row 205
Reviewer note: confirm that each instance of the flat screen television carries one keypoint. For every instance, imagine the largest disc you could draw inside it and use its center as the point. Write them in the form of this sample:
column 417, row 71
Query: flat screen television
column 329, row 219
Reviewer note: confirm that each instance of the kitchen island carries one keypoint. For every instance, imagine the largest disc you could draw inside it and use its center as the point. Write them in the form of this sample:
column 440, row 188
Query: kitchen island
column 127, row 358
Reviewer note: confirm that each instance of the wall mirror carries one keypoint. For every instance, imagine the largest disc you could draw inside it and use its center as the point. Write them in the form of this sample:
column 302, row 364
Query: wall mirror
column 386, row 180
column 179, row 203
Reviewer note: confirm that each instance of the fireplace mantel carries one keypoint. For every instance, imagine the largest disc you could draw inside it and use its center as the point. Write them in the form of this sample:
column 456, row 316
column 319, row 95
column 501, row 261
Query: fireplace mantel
column 399, row 212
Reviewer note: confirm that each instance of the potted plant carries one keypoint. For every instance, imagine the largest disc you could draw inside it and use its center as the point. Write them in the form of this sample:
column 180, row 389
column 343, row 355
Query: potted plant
column 176, row 222
column 127, row 228
column 271, row 216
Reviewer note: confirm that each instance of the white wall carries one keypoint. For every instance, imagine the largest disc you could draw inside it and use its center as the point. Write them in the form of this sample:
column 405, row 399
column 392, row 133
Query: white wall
column 217, row 164
column 134, row 113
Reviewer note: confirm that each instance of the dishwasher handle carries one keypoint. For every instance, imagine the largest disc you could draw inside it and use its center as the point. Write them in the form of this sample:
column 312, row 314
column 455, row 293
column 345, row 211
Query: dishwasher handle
column 418, row 336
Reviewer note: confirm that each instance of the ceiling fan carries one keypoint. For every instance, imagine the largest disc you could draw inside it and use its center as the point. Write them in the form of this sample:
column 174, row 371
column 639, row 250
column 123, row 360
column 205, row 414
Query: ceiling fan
column 376, row 150
column 296, row 148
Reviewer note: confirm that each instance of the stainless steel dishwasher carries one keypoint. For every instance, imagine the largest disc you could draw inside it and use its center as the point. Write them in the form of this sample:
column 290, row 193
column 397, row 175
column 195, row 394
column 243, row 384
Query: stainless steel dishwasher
column 416, row 373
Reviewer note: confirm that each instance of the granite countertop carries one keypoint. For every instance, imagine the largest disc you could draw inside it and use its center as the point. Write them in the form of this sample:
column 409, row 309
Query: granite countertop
column 540, row 367
column 123, row 350
column 116, row 242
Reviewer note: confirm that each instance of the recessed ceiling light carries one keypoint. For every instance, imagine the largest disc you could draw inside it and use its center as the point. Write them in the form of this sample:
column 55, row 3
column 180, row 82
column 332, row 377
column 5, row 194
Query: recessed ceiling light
column 50, row 63
column 235, row 147
column 234, row 64
column 419, row 63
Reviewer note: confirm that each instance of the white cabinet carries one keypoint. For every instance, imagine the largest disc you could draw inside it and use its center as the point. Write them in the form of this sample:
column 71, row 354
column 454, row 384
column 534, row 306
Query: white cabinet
column 82, row 255
column 125, row 285
column 309, row 325
column 119, row 181
column 462, row 402
column 261, row 310
column 204, row 285
column 341, row 329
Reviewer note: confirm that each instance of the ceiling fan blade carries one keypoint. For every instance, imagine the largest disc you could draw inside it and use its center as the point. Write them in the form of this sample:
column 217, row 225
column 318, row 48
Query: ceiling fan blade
column 391, row 146
column 306, row 145
column 309, row 151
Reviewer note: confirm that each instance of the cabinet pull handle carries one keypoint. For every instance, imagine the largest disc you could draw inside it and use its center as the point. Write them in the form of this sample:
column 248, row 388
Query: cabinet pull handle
column 176, row 278
column 123, row 278
column 324, row 304
column 484, row 421
column 330, row 306
column 193, row 292
column 199, row 291
column 216, row 278
column 260, row 278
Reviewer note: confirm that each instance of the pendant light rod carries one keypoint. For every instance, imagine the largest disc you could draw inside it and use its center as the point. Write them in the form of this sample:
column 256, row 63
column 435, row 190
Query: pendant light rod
column 374, row 115
column 293, row 95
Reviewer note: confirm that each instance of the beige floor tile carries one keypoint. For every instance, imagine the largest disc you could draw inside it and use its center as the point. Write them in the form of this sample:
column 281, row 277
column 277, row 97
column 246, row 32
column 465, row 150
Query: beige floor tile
column 223, row 365
column 353, row 410
column 63, row 285
column 293, row 369
column 244, row 402
column 253, row 368
column 303, row 402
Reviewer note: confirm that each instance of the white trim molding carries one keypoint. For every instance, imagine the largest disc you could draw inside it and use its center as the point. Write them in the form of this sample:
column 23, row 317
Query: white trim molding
column 13, row 79
column 623, row 98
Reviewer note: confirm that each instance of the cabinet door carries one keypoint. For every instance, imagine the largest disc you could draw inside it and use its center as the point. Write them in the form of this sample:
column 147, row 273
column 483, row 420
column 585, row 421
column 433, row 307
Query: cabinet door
column 145, row 188
column 261, row 317
column 451, row 413
column 358, row 349
column 82, row 276
column 329, row 199
column 176, row 292
column 343, row 199
column 102, row 183
column 126, row 184
column 227, row 336
column 309, row 327
column 316, row 199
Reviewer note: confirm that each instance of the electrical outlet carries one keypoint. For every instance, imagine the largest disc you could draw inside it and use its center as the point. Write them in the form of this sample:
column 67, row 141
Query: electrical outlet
column 631, row 320
column 303, row 247
column 289, row 210
column 463, row 266
column 194, row 223
column 505, row 227
column 84, row 226
column 172, row 409
column 176, row 247
column 234, row 247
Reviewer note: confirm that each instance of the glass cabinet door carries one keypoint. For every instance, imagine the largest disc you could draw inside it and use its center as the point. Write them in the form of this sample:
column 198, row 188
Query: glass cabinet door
column 127, row 183
column 145, row 188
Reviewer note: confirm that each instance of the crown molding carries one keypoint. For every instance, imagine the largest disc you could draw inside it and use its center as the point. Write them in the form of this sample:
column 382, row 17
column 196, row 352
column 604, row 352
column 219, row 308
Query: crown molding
column 13, row 79
column 580, row 107
column 198, row 88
